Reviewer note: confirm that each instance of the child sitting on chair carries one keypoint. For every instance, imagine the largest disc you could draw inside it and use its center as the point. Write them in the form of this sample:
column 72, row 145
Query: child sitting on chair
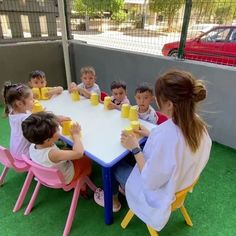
column 42, row 130
column 88, row 85
column 37, row 79
column 19, row 103
column 119, row 95
column 144, row 97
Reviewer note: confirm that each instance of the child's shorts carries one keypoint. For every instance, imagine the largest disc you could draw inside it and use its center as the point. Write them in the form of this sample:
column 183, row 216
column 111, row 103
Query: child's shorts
column 82, row 165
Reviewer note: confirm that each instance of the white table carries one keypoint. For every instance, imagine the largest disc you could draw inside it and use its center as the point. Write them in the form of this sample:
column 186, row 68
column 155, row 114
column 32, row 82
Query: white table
column 101, row 131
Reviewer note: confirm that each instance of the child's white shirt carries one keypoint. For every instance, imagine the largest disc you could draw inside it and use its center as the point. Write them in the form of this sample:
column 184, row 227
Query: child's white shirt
column 18, row 144
column 150, row 115
column 40, row 156
column 94, row 89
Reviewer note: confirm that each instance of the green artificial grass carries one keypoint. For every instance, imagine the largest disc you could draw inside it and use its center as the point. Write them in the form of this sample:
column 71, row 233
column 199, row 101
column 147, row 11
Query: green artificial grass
column 211, row 206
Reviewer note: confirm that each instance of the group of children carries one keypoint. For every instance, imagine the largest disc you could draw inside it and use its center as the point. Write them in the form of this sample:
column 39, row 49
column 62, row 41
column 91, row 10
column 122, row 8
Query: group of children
column 35, row 134
column 143, row 94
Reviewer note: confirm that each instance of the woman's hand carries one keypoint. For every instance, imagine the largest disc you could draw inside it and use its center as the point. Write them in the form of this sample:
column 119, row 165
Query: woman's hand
column 142, row 131
column 129, row 141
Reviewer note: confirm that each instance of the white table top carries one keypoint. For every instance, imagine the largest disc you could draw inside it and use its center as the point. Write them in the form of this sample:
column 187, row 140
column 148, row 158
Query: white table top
column 101, row 128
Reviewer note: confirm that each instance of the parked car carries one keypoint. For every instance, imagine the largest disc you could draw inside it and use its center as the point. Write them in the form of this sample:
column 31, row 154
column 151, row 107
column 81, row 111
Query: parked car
column 218, row 45
column 198, row 29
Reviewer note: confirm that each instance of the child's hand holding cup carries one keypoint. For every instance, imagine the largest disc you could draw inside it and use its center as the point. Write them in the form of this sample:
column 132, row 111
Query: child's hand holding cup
column 66, row 127
column 75, row 130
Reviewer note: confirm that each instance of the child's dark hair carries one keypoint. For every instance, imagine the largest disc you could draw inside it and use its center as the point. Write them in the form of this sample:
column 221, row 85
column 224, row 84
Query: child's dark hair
column 36, row 74
column 144, row 87
column 39, row 127
column 118, row 84
column 14, row 92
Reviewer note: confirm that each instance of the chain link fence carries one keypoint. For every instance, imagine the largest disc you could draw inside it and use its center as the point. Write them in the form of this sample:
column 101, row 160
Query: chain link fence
column 145, row 26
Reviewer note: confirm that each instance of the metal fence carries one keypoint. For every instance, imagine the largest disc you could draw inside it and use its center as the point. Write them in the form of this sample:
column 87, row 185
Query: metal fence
column 135, row 25
column 28, row 20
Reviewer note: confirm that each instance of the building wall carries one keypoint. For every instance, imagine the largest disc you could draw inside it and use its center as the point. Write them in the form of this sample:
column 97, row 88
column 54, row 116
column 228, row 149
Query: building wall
column 110, row 64
column 18, row 60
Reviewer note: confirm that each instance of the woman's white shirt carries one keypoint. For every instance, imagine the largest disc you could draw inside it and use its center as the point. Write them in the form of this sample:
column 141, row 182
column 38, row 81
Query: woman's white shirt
column 170, row 167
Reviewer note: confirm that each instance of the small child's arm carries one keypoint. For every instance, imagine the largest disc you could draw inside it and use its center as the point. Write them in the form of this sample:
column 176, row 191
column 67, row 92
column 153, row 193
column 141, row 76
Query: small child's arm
column 61, row 118
column 84, row 92
column 72, row 87
column 76, row 152
column 112, row 106
column 55, row 91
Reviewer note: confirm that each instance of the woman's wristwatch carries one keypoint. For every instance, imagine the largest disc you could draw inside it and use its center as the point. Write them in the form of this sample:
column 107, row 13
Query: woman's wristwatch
column 136, row 150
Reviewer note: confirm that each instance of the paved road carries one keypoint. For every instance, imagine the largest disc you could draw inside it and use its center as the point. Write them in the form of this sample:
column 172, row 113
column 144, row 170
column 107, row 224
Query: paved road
column 137, row 41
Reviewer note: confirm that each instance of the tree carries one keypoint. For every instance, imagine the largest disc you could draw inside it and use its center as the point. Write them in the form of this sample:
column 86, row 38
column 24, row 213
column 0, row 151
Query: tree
column 222, row 11
column 168, row 8
column 203, row 10
column 96, row 7
column 225, row 12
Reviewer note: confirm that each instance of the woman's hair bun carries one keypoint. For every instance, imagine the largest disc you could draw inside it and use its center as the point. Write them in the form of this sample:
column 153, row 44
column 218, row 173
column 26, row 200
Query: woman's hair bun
column 199, row 91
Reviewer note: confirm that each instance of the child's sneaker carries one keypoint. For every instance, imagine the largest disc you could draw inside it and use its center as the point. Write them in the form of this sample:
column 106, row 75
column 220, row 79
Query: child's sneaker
column 99, row 199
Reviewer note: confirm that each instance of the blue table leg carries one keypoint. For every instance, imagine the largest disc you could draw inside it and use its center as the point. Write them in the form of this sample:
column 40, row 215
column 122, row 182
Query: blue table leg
column 106, row 175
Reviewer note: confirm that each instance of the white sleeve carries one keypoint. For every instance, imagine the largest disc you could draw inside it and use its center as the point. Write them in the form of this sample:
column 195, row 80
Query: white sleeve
column 160, row 163
column 96, row 89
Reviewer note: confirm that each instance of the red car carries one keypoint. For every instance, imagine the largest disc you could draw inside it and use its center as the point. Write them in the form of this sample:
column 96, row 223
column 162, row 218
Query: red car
column 217, row 45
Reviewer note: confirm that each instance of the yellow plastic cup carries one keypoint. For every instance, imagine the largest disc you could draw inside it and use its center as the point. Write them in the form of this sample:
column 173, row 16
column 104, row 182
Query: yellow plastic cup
column 44, row 93
column 37, row 107
column 128, row 130
column 75, row 96
column 36, row 92
column 107, row 101
column 94, row 99
column 135, row 125
column 125, row 110
column 66, row 127
column 133, row 114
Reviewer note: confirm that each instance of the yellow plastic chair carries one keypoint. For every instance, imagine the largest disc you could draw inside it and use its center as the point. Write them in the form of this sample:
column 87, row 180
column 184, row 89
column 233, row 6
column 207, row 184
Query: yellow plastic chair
column 177, row 204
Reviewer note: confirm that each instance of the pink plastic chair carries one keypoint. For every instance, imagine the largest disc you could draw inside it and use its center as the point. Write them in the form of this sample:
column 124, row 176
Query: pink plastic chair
column 53, row 178
column 9, row 162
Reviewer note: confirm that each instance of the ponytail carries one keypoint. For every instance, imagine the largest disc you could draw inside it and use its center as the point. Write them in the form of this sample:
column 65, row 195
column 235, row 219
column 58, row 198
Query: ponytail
column 12, row 93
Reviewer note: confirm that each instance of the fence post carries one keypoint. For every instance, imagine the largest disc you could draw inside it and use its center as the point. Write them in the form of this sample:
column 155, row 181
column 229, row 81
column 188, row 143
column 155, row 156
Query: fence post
column 51, row 24
column 1, row 33
column 65, row 44
column 35, row 29
column 187, row 13
column 15, row 24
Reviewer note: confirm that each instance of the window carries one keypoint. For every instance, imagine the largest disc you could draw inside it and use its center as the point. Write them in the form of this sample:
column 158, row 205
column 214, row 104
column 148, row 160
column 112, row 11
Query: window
column 6, row 30
column 43, row 26
column 25, row 26
column 217, row 35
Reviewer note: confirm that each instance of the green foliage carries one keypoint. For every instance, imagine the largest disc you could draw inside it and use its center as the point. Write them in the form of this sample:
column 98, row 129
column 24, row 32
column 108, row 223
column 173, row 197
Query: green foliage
column 225, row 12
column 95, row 7
column 222, row 11
column 119, row 16
column 165, row 6
column 168, row 8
